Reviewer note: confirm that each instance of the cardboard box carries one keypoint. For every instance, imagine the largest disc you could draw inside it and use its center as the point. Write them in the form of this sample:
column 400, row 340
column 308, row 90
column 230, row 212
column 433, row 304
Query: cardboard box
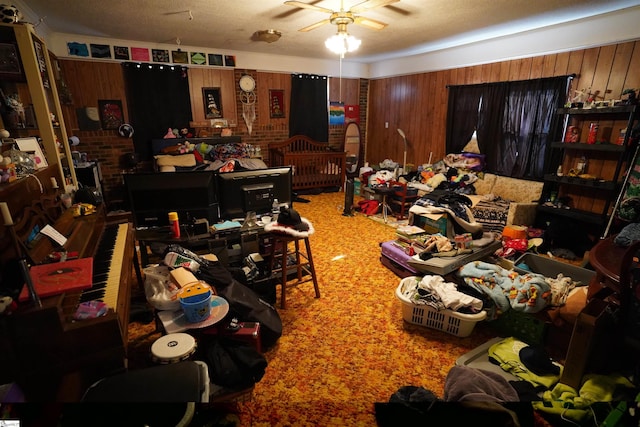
column 588, row 346
column 433, row 223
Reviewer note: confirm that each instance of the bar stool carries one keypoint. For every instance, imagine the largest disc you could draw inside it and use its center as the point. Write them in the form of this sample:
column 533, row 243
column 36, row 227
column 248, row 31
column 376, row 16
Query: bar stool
column 285, row 247
column 286, row 233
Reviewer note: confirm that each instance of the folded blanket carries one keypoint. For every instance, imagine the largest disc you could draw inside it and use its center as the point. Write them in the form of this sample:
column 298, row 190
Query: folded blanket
column 468, row 384
column 528, row 292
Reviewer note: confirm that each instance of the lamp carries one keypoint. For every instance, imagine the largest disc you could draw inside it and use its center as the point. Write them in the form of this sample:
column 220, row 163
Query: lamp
column 342, row 42
column 404, row 138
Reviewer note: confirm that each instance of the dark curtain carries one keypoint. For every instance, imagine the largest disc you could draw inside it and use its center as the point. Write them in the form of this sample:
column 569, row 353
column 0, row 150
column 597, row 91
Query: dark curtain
column 158, row 99
column 309, row 107
column 530, row 110
column 513, row 122
column 490, row 120
column 465, row 103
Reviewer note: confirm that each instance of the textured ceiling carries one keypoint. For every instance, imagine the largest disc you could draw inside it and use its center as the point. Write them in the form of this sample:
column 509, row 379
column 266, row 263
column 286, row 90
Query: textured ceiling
column 414, row 26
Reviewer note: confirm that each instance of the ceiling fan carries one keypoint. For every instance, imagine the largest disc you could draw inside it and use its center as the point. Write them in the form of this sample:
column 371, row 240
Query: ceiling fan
column 343, row 17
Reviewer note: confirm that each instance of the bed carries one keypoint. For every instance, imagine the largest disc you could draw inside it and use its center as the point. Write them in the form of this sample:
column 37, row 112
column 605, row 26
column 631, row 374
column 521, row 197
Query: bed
column 315, row 166
column 223, row 154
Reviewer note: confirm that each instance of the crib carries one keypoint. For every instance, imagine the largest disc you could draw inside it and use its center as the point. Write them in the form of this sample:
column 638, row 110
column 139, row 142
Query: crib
column 315, row 166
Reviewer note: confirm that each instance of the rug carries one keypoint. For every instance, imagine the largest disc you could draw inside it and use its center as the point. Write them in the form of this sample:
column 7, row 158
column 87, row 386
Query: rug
column 350, row 348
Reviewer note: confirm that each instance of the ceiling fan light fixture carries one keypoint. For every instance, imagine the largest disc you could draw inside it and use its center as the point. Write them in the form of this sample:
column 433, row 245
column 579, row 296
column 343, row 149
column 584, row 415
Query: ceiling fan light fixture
column 342, row 42
column 268, row 36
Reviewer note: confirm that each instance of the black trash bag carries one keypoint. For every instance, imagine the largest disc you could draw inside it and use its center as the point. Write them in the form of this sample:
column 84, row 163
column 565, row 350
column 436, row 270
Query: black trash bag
column 244, row 303
column 234, row 364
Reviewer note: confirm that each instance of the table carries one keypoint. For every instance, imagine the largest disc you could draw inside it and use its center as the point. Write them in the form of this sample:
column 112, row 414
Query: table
column 384, row 192
column 227, row 245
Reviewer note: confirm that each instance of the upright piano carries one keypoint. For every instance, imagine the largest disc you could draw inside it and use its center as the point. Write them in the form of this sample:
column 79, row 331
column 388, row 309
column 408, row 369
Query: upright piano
column 53, row 356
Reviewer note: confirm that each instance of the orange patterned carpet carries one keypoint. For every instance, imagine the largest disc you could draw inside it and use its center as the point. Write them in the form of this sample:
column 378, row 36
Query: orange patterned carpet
column 343, row 352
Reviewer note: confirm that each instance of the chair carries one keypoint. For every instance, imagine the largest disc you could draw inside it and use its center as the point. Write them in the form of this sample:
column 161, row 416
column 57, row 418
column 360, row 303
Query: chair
column 401, row 199
column 286, row 247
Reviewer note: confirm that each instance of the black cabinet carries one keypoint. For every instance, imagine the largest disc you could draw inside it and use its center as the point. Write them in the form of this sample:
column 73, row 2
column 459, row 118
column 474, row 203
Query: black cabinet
column 587, row 164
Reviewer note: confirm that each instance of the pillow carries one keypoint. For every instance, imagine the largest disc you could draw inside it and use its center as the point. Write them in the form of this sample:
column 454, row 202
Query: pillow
column 185, row 160
column 518, row 190
column 484, row 184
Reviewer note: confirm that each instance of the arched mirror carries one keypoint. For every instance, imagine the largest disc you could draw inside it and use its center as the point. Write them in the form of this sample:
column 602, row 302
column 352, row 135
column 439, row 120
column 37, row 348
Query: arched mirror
column 352, row 145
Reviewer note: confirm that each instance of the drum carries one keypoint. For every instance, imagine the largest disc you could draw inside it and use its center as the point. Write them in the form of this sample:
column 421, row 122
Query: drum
column 173, row 348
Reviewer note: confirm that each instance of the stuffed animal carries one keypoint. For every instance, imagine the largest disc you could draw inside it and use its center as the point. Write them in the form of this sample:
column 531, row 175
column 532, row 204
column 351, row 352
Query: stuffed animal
column 169, row 134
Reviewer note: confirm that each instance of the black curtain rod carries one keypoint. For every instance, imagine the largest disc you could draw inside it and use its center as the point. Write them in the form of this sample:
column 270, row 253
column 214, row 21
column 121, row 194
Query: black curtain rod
column 569, row 76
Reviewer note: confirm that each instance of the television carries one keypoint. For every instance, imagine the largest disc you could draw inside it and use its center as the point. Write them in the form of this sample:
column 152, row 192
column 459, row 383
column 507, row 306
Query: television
column 152, row 195
column 240, row 192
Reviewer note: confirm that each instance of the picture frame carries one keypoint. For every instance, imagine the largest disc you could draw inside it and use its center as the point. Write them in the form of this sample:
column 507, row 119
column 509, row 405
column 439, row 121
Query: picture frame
column 160, row 55
column 229, row 61
column 179, row 57
column 111, row 116
column 216, row 60
column 276, row 103
column 31, row 145
column 212, row 102
column 121, row 53
column 42, row 62
column 198, row 58
column 10, row 67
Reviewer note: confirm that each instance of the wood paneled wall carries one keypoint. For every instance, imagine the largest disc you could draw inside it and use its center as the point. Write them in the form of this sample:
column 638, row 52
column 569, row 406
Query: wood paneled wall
column 90, row 81
column 415, row 103
column 418, row 103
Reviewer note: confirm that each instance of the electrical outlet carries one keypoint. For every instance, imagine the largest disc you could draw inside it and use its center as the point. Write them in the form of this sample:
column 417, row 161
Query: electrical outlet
column 386, row 125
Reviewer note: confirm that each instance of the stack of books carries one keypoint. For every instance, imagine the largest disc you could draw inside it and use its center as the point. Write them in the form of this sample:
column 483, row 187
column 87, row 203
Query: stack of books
column 408, row 237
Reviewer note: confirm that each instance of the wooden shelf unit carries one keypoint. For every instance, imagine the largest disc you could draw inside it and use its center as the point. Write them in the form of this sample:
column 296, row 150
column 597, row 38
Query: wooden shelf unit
column 38, row 89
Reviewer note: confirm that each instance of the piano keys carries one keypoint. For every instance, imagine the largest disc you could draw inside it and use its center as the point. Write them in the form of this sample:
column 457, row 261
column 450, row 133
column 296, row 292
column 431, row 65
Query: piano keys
column 56, row 357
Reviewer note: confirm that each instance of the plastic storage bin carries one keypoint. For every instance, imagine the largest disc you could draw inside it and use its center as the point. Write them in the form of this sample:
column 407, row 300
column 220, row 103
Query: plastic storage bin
column 449, row 321
column 551, row 268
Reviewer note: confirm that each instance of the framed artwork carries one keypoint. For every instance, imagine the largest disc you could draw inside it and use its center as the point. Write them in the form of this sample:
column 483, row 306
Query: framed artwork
column 276, row 103
column 140, row 54
column 160, row 55
column 211, row 99
column 121, row 52
column 179, row 57
column 78, row 49
column 352, row 113
column 215, row 59
column 198, row 58
column 32, row 146
column 10, row 62
column 42, row 62
column 336, row 113
column 100, row 50
column 229, row 61
column 110, row 113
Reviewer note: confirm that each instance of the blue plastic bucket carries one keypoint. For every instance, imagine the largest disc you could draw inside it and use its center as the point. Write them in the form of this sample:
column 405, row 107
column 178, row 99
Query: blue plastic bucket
column 195, row 301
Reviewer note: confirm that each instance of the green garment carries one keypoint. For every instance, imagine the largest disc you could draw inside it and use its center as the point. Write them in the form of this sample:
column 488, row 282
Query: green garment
column 507, row 354
column 565, row 401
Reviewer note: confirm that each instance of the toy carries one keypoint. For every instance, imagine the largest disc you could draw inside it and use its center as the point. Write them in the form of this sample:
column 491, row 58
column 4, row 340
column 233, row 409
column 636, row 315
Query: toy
column 169, row 134
column 9, row 14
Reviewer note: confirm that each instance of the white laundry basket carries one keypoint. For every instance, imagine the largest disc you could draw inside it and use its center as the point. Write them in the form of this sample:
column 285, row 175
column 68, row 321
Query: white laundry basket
column 452, row 322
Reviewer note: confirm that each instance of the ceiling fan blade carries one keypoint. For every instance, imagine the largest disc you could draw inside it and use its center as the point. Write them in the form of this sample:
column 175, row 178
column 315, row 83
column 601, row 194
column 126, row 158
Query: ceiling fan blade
column 371, row 4
column 368, row 22
column 314, row 26
column 307, row 6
